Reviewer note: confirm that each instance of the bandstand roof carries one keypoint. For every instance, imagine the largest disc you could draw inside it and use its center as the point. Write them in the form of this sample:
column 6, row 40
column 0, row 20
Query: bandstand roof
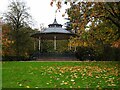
column 54, row 29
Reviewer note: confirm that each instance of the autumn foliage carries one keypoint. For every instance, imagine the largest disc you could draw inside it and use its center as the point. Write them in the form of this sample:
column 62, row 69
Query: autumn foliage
column 97, row 24
column 7, row 42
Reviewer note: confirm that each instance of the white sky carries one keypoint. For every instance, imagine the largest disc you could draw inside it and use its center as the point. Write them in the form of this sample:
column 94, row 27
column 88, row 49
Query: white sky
column 40, row 10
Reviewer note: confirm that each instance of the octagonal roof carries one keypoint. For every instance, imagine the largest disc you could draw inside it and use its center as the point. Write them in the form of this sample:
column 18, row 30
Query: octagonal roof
column 54, row 29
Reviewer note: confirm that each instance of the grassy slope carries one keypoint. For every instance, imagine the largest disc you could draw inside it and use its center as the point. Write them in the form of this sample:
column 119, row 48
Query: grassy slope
column 60, row 74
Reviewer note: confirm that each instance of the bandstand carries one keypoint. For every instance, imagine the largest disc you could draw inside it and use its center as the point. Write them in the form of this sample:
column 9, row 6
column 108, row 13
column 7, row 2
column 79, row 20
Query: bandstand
column 53, row 32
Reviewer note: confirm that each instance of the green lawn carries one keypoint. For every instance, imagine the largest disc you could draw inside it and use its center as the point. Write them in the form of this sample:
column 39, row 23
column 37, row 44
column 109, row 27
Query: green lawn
column 60, row 75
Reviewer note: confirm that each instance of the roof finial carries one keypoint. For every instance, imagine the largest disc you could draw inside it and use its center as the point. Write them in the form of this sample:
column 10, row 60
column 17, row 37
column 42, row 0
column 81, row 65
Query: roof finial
column 55, row 14
column 55, row 21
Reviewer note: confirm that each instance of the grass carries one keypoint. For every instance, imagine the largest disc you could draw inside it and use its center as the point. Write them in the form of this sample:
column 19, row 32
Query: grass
column 60, row 75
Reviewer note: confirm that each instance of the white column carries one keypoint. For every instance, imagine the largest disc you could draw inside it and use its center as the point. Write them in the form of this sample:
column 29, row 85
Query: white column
column 39, row 43
column 75, row 48
column 54, row 42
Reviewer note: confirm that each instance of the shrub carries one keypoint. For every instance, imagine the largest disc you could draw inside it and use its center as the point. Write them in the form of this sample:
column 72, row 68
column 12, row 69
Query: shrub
column 14, row 58
column 107, row 54
column 111, row 53
column 85, row 53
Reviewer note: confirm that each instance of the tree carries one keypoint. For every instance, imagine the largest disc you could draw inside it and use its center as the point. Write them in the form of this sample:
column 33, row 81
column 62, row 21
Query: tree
column 7, row 42
column 96, row 23
column 109, row 11
column 89, row 11
column 90, row 15
column 18, row 17
column 26, row 43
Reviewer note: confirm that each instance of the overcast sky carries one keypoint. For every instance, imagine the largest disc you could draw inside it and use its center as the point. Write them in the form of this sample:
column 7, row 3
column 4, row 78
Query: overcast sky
column 40, row 10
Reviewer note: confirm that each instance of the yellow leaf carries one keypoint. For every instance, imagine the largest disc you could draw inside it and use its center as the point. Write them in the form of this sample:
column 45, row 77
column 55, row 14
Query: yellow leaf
column 65, row 83
column 72, row 80
column 27, row 86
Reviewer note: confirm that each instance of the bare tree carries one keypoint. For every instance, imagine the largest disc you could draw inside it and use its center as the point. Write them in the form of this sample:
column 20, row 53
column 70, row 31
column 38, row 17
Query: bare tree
column 18, row 17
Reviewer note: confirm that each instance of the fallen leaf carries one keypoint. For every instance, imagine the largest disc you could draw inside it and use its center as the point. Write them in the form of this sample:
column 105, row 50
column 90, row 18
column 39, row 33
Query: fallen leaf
column 20, row 85
column 27, row 86
column 47, row 83
column 65, row 83
column 72, row 80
